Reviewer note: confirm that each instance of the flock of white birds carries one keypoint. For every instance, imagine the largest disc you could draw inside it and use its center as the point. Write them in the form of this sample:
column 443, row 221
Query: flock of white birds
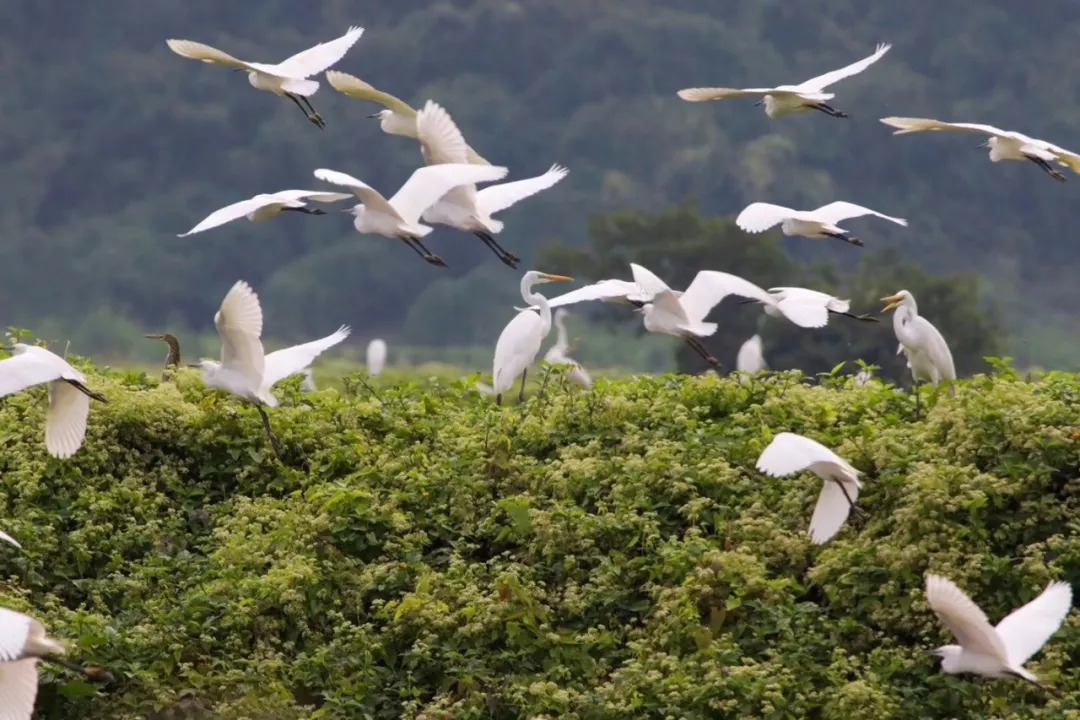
column 444, row 192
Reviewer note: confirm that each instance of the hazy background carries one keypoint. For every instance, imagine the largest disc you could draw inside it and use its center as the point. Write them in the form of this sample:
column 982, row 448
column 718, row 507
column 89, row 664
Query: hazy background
column 111, row 145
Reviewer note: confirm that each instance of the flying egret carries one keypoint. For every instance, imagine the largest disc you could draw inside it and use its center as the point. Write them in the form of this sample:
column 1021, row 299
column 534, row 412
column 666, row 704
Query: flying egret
column 557, row 354
column 285, row 79
column 376, row 357
column 995, row 651
column 788, row 99
column 1003, row 144
column 399, row 217
column 926, row 351
column 398, row 117
column 520, row 340
column 759, row 217
column 464, row 207
column 263, row 207
column 750, row 358
column 172, row 360
column 23, row 643
column 804, row 307
column 790, row 453
column 69, row 397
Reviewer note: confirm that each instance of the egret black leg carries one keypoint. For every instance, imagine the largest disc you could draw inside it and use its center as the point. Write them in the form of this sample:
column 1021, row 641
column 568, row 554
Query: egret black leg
column 1056, row 174
column 269, row 431
column 315, row 118
column 846, row 238
column 703, row 352
column 506, row 258
column 304, row 209
column 829, row 110
column 521, row 394
column 427, row 254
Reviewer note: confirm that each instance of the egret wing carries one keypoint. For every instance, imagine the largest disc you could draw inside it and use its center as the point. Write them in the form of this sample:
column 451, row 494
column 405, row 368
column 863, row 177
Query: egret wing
column 239, row 324
column 371, row 198
column 356, row 88
column 667, row 302
column 280, row 364
column 231, row 212
column 759, row 217
column 821, row 82
column 805, row 308
column 1026, row 629
column 440, row 138
column 906, row 125
column 963, row 617
column 65, row 424
column 710, row 287
column 8, row 539
column 605, row 290
column 936, row 347
column 650, row 284
column 839, row 211
column 494, row 198
column 19, row 372
column 702, row 94
column 314, row 60
column 18, row 689
column 427, row 184
column 14, row 631
column 832, row 509
column 789, row 453
column 198, row 51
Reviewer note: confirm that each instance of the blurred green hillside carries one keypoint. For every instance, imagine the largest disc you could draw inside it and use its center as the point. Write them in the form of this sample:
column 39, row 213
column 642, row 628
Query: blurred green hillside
column 112, row 145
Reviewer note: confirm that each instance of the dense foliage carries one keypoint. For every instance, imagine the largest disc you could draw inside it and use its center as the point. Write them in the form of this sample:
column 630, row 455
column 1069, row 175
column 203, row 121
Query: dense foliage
column 112, row 145
column 611, row 553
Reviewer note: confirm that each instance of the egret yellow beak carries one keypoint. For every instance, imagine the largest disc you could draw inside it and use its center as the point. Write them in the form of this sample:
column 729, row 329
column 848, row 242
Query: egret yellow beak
column 893, row 300
column 556, row 278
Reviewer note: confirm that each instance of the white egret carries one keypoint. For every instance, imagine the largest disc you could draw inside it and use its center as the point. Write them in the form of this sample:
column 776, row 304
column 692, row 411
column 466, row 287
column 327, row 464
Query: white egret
column 1003, row 144
column 671, row 312
column 995, row 651
column 69, row 397
column 399, row 217
column 520, row 340
column 269, row 205
column 172, row 360
column 288, row 78
column 558, row 354
column 927, row 353
column 789, row 453
column 398, row 117
column 464, row 207
column 376, row 357
column 759, row 217
column 23, row 643
column 750, row 358
column 806, row 308
column 788, row 99
column 297, row 359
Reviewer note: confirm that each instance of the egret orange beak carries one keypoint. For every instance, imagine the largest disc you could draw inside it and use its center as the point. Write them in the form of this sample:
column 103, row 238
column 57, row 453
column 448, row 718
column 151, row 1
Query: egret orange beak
column 893, row 300
column 556, row 278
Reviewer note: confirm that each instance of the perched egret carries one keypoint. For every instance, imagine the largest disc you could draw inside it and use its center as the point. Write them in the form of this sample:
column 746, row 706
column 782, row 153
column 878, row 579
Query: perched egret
column 787, row 99
column 399, row 217
column 376, row 357
column 23, row 643
column 465, row 207
column 759, row 217
column 995, row 651
column 558, row 354
column 790, row 453
column 263, row 207
column 667, row 311
column 927, row 353
column 287, row 78
column 398, row 117
column 750, row 358
column 520, row 340
column 1003, row 144
column 172, row 360
column 69, row 398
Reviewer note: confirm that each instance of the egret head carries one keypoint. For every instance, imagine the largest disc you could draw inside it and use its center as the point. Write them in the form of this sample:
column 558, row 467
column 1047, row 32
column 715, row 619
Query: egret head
column 949, row 654
column 542, row 277
column 901, row 298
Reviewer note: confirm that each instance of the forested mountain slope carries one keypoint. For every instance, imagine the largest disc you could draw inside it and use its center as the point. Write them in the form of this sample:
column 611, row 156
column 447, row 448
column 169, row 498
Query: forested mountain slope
column 111, row 144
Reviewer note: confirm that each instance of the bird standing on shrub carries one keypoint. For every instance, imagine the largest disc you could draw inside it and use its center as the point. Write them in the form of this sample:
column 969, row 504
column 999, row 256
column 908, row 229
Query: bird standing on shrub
column 69, row 398
column 750, row 358
column 172, row 360
column 23, row 643
column 995, row 651
column 520, row 340
column 376, row 357
column 927, row 353
column 558, row 354
column 790, row 453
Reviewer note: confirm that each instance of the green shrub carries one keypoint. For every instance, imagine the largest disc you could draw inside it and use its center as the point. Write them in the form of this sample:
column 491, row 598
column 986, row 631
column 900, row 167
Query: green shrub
column 608, row 553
